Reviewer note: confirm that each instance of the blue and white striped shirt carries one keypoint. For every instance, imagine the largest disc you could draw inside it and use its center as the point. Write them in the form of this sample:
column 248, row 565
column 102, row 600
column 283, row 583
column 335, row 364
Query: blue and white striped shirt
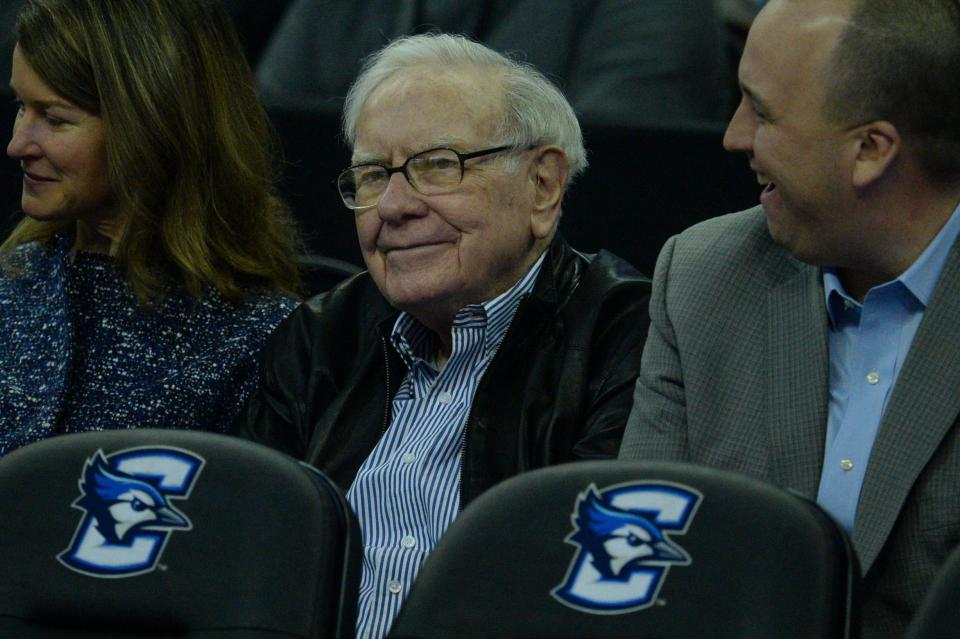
column 407, row 491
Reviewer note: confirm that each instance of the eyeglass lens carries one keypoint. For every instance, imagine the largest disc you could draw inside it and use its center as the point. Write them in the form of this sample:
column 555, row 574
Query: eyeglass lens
column 430, row 172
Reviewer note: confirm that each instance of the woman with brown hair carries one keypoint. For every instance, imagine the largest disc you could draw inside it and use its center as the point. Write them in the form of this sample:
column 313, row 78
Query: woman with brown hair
column 154, row 257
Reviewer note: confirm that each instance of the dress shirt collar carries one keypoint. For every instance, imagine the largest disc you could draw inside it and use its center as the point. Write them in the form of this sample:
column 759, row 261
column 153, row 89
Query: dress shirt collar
column 919, row 280
column 415, row 342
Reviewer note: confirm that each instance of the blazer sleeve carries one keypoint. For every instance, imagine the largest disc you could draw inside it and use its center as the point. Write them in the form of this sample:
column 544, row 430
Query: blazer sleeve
column 657, row 425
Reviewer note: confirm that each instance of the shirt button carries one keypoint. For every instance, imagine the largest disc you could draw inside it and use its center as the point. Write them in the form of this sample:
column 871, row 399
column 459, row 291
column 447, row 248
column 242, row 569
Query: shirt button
column 873, row 377
column 444, row 397
column 394, row 587
column 408, row 458
column 846, row 465
column 408, row 542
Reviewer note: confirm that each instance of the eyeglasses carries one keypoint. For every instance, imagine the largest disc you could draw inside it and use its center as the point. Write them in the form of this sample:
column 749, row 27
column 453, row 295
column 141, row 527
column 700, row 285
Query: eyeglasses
column 431, row 172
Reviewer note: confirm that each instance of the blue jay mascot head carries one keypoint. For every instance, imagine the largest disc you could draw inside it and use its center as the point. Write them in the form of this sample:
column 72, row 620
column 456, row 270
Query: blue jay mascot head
column 122, row 504
column 620, row 540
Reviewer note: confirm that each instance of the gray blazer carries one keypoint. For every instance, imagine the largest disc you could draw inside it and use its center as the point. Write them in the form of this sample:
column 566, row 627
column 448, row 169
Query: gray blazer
column 735, row 375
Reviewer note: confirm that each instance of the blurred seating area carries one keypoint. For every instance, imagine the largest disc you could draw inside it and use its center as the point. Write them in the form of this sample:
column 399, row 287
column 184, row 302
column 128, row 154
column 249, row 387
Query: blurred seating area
column 618, row 62
column 646, row 184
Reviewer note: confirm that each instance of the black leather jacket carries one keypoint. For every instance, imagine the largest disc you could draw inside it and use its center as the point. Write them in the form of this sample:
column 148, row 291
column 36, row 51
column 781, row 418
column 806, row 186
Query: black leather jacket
column 559, row 388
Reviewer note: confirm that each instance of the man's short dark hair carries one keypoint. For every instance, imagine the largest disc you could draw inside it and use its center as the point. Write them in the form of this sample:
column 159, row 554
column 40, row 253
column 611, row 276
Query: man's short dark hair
column 899, row 60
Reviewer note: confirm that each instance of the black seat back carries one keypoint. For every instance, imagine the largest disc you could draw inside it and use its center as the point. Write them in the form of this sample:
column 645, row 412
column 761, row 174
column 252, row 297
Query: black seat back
column 172, row 534
column 11, row 177
column 625, row 550
column 314, row 155
column 645, row 184
column 320, row 273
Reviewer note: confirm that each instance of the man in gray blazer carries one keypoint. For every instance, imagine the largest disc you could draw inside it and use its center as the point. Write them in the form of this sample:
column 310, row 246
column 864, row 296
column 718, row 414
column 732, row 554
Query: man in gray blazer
column 814, row 341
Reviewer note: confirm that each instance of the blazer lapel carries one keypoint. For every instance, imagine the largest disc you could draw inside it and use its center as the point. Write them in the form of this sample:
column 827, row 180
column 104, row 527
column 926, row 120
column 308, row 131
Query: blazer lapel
column 798, row 367
column 923, row 406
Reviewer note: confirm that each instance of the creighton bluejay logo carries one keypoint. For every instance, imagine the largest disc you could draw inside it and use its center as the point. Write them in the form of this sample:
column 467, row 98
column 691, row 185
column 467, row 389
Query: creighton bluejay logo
column 625, row 551
column 129, row 518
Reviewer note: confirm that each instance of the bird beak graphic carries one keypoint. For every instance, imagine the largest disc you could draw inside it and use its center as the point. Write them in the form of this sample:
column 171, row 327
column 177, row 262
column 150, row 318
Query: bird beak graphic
column 169, row 517
column 667, row 551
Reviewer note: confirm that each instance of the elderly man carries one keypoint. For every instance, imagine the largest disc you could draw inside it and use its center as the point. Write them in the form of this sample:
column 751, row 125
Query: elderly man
column 812, row 342
column 478, row 344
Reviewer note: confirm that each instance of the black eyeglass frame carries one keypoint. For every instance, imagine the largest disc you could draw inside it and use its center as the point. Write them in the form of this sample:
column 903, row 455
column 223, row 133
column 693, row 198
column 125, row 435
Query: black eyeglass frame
column 462, row 157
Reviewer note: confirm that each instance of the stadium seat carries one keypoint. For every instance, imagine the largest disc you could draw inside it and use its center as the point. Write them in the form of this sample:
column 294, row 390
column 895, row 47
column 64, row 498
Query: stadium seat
column 939, row 614
column 625, row 550
column 255, row 22
column 646, row 184
column 314, row 155
column 320, row 273
column 169, row 534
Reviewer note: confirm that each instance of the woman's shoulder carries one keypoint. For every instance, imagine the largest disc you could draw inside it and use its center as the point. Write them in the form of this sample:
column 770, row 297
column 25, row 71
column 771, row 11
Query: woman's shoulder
column 260, row 311
column 27, row 256
column 32, row 269
column 269, row 306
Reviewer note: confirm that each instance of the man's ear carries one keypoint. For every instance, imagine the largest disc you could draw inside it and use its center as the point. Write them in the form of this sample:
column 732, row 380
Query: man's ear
column 548, row 173
column 877, row 146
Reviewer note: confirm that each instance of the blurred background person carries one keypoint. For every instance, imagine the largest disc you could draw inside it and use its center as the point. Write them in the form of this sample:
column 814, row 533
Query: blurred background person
column 154, row 257
column 737, row 16
column 617, row 61
column 9, row 10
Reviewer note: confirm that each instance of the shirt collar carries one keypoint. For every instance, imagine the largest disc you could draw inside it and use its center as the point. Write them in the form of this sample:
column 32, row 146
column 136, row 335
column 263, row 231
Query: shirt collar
column 922, row 276
column 920, row 279
column 414, row 341
column 839, row 303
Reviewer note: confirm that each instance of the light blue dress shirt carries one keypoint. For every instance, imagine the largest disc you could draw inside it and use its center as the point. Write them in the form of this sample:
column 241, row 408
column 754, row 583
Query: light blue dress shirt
column 407, row 492
column 868, row 345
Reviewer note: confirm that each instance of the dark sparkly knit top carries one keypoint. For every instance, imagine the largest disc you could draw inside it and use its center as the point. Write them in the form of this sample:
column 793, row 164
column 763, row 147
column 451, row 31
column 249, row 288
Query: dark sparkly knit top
column 78, row 353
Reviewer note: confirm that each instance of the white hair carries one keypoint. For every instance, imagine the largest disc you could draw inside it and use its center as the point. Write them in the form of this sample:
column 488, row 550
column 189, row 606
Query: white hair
column 535, row 112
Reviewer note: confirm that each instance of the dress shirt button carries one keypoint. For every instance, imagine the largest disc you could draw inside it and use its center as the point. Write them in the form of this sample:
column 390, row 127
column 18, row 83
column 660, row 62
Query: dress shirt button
column 873, row 377
column 408, row 458
column 408, row 542
column 846, row 465
column 444, row 397
column 394, row 587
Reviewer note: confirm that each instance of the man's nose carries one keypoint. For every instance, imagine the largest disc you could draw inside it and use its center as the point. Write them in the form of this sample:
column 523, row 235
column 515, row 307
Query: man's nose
column 739, row 133
column 400, row 199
